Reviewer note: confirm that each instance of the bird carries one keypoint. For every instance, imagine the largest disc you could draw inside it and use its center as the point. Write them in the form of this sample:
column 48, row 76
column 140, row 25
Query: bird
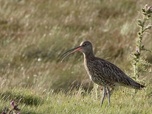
column 103, row 72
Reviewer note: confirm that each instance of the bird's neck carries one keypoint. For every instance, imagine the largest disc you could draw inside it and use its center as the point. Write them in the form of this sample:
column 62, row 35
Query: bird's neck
column 89, row 56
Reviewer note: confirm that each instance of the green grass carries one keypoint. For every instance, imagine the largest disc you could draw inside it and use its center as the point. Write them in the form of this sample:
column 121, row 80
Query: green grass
column 125, row 101
column 33, row 33
column 21, row 96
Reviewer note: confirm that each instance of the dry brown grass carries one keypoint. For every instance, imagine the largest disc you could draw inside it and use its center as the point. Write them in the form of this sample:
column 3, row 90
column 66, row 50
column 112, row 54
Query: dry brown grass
column 34, row 33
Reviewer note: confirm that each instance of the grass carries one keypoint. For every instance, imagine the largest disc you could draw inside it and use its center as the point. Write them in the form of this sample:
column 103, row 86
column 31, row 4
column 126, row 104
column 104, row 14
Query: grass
column 88, row 104
column 34, row 33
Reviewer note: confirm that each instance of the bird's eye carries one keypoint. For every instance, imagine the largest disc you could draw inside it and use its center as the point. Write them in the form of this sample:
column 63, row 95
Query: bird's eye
column 84, row 44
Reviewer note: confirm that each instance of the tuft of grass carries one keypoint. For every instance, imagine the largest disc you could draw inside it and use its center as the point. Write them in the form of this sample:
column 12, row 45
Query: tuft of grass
column 21, row 96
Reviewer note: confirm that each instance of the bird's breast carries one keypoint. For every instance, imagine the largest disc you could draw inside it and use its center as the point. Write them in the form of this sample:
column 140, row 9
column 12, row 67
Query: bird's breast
column 87, row 69
column 92, row 71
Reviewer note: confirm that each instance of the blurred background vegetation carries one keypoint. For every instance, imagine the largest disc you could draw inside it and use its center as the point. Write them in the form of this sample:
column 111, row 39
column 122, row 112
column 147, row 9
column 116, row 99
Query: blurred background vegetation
column 33, row 33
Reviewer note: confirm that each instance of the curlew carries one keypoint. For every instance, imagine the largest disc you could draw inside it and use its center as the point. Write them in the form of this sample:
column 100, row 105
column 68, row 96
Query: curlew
column 102, row 72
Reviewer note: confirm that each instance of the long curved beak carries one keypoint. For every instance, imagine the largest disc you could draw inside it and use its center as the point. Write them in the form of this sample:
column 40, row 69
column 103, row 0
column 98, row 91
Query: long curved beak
column 67, row 53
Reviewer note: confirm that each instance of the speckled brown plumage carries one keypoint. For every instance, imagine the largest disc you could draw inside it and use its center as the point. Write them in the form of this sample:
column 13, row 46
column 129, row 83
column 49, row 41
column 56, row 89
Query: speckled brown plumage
column 103, row 72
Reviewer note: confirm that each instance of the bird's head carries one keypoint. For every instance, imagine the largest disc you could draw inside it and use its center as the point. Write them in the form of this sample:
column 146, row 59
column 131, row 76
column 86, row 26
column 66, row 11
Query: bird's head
column 85, row 47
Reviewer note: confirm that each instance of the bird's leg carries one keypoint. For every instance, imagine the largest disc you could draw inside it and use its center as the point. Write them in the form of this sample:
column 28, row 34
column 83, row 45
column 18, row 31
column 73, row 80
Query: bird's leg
column 111, row 91
column 109, row 94
column 103, row 95
column 96, row 90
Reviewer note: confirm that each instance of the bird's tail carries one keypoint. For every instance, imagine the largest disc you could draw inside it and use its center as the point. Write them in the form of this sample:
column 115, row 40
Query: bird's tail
column 137, row 85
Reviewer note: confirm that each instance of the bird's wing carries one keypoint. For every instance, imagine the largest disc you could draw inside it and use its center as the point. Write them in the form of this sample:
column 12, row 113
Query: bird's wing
column 112, row 73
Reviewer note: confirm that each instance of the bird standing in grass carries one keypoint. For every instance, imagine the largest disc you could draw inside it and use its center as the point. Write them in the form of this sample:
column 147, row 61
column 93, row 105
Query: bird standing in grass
column 103, row 72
